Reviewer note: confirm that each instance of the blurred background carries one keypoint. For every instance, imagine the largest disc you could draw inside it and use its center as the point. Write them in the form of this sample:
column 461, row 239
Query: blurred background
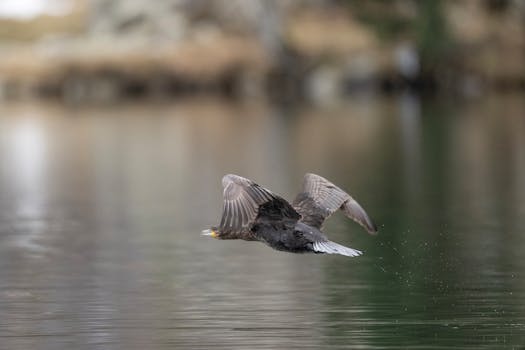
column 104, row 50
column 119, row 118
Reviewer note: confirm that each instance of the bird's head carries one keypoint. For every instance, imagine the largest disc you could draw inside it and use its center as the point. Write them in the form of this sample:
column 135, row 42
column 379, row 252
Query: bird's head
column 212, row 232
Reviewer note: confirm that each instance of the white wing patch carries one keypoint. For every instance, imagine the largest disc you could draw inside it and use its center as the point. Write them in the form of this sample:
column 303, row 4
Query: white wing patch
column 330, row 247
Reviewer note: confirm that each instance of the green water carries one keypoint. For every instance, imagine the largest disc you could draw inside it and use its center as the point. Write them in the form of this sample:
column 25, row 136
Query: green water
column 101, row 211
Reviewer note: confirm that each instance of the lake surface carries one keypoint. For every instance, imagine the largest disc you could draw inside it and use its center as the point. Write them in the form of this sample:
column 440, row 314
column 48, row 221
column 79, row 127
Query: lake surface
column 101, row 211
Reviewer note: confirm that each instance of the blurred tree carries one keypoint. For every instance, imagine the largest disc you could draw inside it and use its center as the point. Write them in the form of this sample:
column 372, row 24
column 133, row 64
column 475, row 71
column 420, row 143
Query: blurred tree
column 433, row 39
column 422, row 23
column 389, row 19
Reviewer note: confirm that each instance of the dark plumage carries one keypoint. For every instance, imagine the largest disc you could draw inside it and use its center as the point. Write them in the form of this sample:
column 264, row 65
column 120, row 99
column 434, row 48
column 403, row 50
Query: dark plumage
column 253, row 213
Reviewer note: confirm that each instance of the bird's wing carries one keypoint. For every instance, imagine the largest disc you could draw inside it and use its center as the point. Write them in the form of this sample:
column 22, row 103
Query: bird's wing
column 243, row 200
column 320, row 198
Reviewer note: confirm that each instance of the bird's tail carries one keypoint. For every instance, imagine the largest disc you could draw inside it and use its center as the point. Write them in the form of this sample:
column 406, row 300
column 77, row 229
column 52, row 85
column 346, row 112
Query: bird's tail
column 329, row 247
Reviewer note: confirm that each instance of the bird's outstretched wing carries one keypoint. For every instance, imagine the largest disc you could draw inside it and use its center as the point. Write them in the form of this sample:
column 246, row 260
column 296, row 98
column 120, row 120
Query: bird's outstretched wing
column 320, row 198
column 245, row 201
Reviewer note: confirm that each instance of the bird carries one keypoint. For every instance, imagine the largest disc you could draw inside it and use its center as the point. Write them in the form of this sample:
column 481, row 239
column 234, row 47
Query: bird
column 253, row 213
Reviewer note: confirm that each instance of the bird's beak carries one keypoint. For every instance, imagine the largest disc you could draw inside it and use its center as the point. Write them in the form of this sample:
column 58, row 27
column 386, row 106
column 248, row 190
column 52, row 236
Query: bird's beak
column 209, row 233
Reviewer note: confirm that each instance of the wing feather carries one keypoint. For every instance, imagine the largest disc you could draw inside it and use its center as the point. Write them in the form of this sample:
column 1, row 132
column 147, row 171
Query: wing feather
column 320, row 198
column 242, row 200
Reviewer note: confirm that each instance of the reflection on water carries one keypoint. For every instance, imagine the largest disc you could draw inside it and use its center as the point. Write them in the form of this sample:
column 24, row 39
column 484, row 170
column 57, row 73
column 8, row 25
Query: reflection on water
column 101, row 209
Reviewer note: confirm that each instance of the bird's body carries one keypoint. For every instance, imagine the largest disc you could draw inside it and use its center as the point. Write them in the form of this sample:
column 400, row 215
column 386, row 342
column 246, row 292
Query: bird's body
column 253, row 213
column 288, row 236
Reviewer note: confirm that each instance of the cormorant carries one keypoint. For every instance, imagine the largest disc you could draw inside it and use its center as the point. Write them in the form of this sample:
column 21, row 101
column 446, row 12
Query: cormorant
column 253, row 213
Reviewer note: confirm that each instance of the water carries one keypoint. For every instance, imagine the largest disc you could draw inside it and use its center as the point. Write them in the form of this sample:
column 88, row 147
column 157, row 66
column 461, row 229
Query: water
column 101, row 211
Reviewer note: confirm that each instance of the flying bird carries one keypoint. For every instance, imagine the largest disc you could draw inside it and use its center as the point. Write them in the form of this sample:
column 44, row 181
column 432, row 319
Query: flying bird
column 253, row 213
